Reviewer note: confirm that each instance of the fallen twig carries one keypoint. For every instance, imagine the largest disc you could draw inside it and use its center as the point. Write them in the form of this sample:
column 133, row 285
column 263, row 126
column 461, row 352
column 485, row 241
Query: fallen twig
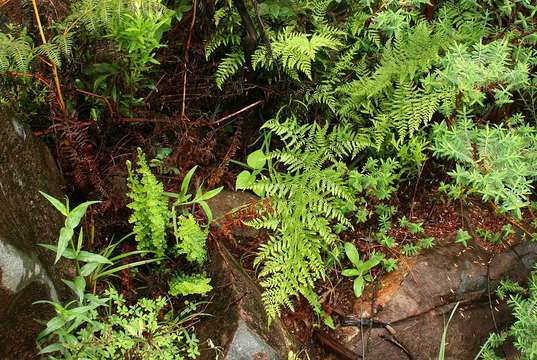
column 336, row 347
column 227, row 117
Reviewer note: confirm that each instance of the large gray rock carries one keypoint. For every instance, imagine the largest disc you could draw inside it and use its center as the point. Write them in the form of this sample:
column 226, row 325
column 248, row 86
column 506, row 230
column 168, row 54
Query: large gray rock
column 26, row 219
column 238, row 324
column 417, row 300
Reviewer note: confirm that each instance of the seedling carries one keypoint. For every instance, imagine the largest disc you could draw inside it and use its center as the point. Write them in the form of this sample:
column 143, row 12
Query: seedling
column 361, row 269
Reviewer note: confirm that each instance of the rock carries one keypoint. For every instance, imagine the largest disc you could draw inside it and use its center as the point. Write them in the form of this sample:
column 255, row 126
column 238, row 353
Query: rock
column 417, row 300
column 237, row 323
column 26, row 219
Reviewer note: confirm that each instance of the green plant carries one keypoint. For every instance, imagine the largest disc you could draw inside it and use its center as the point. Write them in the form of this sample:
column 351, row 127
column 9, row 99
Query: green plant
column 90, row 266
column 159, row 162
column 360, row 270
column 152, row 216
column 78, row 331
column 130, row 31
column 410, row 250
column 190, row 285
column 524, row 330
column 414, row 228
column 191, row 239
column 506, row 287
column 462, row 237
column 305, row 197
column 494, row 162
column 426, row 242
column 389, row 265
column 443, row 343
column 489, row 236
column 385, row 213
column 136, row 330
column 385, row 239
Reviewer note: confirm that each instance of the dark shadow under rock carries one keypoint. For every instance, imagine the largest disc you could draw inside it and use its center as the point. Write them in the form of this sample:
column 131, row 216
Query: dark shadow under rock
column 237, row 323
column 27, row 271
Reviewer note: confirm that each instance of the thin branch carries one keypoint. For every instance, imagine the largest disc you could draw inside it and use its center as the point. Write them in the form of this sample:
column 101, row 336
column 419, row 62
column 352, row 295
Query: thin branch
column 227, row 117
column 53, row 65
column 104, row 99
column 32, row 75
column 187, row 58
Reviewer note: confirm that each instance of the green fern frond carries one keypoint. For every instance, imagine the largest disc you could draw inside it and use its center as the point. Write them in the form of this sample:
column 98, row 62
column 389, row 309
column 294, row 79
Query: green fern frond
column 51, row 52
column 190, row 239
column 305, row 198
column 149, row 205
column 229, row 66
column 16, row 53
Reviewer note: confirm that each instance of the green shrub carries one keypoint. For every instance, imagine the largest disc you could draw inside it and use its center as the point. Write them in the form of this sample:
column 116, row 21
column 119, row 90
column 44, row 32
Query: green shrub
column 494, row 162
column 524, row 330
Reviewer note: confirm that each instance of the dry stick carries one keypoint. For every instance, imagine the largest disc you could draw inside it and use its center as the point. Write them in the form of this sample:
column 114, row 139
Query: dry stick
column 52, row 65
column 227, row 117
column 104, row 99
column 186, row 57
column 335, row 346
column 32, row 75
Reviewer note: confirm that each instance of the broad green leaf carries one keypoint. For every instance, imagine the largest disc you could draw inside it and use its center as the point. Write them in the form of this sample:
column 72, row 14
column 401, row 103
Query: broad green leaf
column 368, row 265
column 78, row 285
column 51, row 348
column 80, row 239
column 259, row 191
column 66, row 233
column 244, row 180
column 350, row 272
column 89, row 257
column 68, row 253
column 358, row 286
column 257, row 160
column 74, row 216
column 210, row 194
column 207, row 211
column 52, row 325
column 56, row 203
column 88, row 268
column 352, row 254
column 186, row 180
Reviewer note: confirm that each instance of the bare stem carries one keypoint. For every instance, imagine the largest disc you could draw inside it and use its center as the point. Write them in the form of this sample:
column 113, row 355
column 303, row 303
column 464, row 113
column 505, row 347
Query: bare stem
column 53, row 66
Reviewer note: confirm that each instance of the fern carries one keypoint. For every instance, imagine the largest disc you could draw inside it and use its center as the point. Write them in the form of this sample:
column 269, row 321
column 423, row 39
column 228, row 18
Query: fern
column 16, row 52
column 51, row 52
column 229, row 67
column 191, row 239
column 304, row 201
column 185, row 285
column 150, row 214
column 295, row 51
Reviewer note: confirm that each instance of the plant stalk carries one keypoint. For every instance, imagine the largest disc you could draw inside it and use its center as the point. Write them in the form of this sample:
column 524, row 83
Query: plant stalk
column 53, row 66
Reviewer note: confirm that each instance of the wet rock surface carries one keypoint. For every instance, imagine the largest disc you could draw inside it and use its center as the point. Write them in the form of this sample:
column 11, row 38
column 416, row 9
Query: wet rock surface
column 238, row 324
column 418, row 298
column 26, row 219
